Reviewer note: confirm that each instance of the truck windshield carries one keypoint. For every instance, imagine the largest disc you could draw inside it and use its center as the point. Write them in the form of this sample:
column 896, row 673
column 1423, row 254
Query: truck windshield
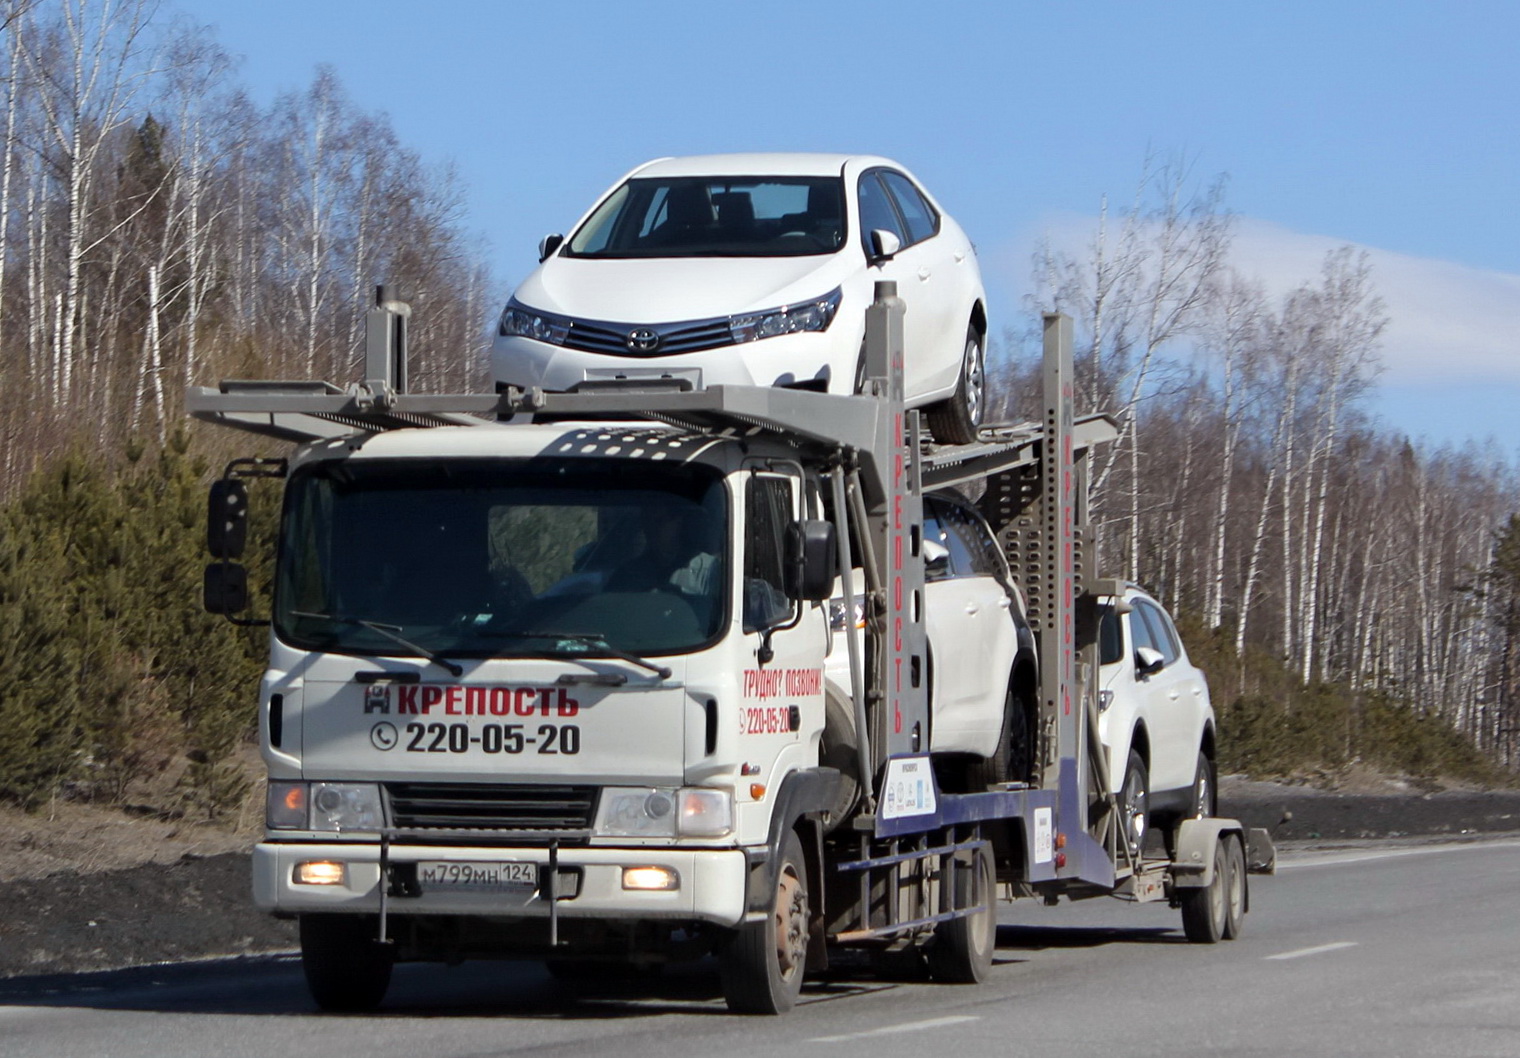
column 716, row 216
column 501, row 558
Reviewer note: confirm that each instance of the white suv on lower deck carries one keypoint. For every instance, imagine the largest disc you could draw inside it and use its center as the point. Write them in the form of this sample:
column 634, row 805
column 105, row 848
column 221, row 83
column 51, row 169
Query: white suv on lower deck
column 1155, row 718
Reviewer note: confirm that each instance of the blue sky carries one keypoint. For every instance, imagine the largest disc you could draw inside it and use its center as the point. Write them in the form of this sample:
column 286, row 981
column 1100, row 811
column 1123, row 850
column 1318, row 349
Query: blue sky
column 1391, row 126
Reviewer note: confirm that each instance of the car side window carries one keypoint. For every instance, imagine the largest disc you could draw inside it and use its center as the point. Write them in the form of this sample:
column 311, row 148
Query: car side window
column 1162, row 632
column 936, row 532
column 1110, row 637
column 983, row 555
column 877, row 211
column 921, row 219
column 1139, row 631
column 948, row 517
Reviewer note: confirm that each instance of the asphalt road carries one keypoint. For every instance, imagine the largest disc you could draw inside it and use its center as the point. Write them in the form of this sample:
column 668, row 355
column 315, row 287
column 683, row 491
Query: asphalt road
column 1380, row 951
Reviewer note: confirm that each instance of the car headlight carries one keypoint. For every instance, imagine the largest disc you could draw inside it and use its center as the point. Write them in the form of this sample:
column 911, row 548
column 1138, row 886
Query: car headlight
column 664, row 812
column 815, row 315
column 519, row 321
column 841, row 616
column 336, row 806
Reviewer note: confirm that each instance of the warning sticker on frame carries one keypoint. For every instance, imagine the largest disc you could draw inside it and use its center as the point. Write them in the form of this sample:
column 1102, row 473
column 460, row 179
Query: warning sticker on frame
column 1044, row 850
column 908, row 789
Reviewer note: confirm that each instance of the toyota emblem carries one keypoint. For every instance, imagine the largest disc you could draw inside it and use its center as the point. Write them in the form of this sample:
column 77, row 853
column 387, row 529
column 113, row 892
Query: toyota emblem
column 643, row 340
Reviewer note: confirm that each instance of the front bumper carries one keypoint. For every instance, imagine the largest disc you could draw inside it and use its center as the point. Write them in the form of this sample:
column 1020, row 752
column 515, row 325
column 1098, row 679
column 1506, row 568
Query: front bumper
column 786, row 359
column 712, row 882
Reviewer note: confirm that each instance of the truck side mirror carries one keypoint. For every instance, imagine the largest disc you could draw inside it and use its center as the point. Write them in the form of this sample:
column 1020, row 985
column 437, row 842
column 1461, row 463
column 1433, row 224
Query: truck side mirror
column 227, row 519
column 812, row 558
column 547, row 245
column 225, row 588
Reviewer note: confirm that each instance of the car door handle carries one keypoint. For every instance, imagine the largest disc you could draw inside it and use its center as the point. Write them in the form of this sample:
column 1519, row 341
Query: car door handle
column 1005, row 602
column 960, row 256
column 972, row 607
column 1174, row 695
column 924, row 273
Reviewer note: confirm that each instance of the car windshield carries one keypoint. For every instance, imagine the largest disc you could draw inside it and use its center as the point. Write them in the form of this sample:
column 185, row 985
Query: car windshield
column 491, row 558
column 709, row 216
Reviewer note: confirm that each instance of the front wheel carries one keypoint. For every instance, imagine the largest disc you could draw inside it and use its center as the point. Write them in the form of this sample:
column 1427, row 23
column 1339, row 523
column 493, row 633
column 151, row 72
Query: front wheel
column 763, row 963
column 955, row 420
column 347, row 969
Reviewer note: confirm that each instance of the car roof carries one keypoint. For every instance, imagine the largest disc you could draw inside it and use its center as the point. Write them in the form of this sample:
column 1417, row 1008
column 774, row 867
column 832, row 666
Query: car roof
column 760, row 164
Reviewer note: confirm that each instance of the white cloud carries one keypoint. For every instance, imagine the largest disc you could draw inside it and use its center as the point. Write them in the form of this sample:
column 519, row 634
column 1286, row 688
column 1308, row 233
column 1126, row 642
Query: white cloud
column 1448, row 323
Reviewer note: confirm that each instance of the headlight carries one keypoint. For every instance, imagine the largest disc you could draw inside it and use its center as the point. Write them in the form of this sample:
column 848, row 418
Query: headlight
column 519, row 321
column 346, row 806
column 324, row 806
column 815, row 315
column 664, row 812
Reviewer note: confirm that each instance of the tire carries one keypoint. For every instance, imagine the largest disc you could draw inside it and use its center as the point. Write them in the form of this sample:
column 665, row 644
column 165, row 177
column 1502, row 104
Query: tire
column 955, row 421
column 1234, row 888
column 763, row 963
column 1013, row 759
column 1205, row 800
column 1134, row 803
column 347, row 969
column 961, row 951
column 1205, row 909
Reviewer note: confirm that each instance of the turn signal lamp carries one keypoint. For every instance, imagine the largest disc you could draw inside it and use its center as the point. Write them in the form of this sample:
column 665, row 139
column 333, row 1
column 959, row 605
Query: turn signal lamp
column 286, row 806
column 321, row 872
column 651, row 879
column 757, row 791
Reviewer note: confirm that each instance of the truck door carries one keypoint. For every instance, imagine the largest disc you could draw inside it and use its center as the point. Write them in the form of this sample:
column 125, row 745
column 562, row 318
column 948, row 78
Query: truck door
column 782, row 687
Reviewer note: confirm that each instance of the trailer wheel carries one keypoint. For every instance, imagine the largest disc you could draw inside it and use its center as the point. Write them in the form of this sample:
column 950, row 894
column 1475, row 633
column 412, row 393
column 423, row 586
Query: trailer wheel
column 1205, row 908
column 347, row 969
column 763, row 963
column 955, row 420
column 961, row 951
column 1234, row 888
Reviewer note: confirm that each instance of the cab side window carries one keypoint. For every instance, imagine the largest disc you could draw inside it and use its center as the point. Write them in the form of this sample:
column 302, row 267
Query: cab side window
column 768, row 511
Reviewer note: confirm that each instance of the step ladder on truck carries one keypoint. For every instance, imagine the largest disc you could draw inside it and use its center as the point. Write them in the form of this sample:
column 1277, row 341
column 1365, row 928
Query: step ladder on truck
column 610, row 769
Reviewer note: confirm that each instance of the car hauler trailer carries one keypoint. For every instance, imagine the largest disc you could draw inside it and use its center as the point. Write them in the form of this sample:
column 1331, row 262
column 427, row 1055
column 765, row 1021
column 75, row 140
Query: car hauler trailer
column 555, row 688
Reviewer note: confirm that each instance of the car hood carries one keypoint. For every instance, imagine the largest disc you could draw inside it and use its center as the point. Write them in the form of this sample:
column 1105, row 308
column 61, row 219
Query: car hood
column 672, row 289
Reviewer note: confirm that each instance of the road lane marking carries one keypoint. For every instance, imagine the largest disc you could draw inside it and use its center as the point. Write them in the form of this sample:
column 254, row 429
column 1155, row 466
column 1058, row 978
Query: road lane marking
column 1361, row 856
column 890, row 1030
column 1319, row 950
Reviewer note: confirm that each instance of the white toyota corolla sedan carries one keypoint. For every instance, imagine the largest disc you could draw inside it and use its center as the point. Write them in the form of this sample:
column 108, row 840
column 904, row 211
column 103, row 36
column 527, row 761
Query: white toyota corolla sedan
column 754, row 269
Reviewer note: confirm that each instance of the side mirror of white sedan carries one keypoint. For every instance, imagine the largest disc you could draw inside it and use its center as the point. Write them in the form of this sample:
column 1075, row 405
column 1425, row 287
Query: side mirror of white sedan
column 884, row 244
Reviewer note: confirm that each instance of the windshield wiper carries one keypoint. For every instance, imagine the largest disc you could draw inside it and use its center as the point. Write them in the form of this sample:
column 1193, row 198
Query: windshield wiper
column 389, row 632
column 600, row 644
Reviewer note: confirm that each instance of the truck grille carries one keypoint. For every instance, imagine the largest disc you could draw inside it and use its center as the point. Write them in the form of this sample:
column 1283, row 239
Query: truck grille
column 612, row 338
column 524, row 814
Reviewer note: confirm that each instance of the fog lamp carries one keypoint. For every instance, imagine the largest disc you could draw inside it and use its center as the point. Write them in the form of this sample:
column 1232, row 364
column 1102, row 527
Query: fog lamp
column 658, row 879
column 321, row 872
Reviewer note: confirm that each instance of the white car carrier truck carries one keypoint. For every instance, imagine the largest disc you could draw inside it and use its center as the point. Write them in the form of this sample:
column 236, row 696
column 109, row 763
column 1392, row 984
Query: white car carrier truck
column 555, row 689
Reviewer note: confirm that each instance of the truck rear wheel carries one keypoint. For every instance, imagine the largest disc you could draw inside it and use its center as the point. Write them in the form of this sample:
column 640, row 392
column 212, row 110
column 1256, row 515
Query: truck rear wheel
column 763, row 963
column 961, row 952
column 347, row 969
column 1205, row 909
